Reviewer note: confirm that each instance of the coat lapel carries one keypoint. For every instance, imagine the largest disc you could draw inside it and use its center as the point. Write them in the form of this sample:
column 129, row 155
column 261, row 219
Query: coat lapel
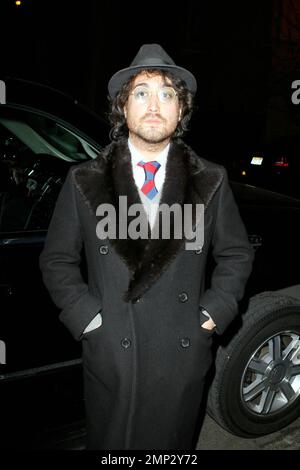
column 188, row 181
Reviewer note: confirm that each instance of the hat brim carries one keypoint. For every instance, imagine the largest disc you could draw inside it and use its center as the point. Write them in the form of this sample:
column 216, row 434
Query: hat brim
column 122, row 76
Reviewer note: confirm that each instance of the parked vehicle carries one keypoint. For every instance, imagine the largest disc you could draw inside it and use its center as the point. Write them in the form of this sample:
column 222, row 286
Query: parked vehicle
column 274, row 166
column 40, row 381
column 256, row 384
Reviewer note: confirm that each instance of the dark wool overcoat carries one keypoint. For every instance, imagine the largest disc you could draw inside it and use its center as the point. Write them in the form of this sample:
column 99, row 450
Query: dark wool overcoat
column 144, row 367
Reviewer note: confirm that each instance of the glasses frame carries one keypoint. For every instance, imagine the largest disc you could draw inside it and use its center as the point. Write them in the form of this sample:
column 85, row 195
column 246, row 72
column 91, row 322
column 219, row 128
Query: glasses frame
column 151, row 92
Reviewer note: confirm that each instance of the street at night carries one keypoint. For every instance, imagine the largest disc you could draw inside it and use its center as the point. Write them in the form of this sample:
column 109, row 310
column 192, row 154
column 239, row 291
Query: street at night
column 123, row 340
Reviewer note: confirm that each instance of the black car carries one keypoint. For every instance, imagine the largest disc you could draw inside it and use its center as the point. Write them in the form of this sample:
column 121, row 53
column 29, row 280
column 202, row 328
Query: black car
column 273, row 166
column 40, row 365
column 256, row 383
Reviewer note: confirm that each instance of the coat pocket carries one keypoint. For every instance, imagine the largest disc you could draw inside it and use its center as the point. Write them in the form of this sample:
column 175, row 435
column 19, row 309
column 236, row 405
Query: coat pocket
column 206, row 332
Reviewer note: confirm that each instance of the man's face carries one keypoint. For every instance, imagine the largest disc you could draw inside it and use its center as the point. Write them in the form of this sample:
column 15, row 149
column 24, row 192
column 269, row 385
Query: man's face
column 151, row 120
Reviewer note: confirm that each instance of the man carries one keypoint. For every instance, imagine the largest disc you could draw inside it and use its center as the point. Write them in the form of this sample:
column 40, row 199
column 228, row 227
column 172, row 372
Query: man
column 146, row 316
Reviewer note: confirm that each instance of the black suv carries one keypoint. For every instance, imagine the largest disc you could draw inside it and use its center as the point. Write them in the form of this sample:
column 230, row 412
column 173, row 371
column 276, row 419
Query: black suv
column 255, row 386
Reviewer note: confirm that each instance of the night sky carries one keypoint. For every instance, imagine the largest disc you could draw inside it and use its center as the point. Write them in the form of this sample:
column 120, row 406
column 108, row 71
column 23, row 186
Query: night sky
column 229, row 46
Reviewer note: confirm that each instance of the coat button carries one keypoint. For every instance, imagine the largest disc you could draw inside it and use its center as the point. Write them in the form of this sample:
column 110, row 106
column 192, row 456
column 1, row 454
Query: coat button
column 185, row 342
column 183, row 297
column 103, row 250
column 136, row 300
column 126, row 343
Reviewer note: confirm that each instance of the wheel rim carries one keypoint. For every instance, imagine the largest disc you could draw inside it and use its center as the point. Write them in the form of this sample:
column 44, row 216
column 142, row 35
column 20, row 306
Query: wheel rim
column 271, row 379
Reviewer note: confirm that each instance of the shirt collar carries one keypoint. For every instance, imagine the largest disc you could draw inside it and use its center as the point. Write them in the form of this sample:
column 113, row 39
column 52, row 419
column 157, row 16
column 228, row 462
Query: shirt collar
column 136, row 156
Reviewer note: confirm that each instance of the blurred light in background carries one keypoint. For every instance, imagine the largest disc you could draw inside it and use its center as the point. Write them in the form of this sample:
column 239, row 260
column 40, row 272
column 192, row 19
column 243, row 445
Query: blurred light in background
column 256, row 160
column 282, row 162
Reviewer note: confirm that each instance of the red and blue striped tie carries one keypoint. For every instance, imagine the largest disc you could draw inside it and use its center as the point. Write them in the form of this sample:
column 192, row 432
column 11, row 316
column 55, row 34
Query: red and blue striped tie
column 148, row 187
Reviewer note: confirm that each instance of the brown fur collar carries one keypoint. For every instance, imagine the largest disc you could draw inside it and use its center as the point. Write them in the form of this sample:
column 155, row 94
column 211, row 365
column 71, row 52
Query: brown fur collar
column 189, row 179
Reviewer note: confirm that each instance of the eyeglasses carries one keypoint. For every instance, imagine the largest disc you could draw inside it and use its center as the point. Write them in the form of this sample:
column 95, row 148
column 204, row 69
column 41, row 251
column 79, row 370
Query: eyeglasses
column 165, row 94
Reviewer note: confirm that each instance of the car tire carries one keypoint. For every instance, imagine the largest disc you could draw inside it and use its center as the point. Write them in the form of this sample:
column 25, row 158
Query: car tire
column 256, row 387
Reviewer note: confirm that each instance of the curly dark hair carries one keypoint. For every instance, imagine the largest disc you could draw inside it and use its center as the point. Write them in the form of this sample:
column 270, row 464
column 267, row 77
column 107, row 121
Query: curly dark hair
column 116, row 115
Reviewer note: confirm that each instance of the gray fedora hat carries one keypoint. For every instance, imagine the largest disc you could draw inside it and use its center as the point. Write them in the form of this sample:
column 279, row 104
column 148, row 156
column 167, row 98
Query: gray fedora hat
column 150, row 56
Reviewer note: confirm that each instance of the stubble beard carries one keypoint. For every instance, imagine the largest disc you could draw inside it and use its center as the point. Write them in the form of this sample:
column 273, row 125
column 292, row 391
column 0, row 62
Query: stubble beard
column 153, row 134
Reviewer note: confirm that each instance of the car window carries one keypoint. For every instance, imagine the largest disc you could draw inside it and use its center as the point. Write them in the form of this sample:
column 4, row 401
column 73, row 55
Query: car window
column 35, row 155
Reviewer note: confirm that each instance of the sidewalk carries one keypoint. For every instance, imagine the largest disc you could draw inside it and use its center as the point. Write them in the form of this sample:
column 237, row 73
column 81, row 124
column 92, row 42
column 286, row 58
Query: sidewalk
column 213, row 437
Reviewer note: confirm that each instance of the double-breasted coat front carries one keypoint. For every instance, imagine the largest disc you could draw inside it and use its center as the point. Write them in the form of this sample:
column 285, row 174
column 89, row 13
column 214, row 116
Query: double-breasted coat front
column 144, row 367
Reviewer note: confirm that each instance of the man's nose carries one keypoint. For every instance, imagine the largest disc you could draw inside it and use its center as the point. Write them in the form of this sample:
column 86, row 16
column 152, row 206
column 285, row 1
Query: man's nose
column 153, row 104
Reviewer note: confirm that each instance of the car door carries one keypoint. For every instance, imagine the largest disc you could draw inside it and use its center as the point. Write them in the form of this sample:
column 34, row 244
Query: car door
column 40, row 374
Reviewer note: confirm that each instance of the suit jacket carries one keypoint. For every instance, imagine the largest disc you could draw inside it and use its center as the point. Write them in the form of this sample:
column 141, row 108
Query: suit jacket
column 144, row 367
